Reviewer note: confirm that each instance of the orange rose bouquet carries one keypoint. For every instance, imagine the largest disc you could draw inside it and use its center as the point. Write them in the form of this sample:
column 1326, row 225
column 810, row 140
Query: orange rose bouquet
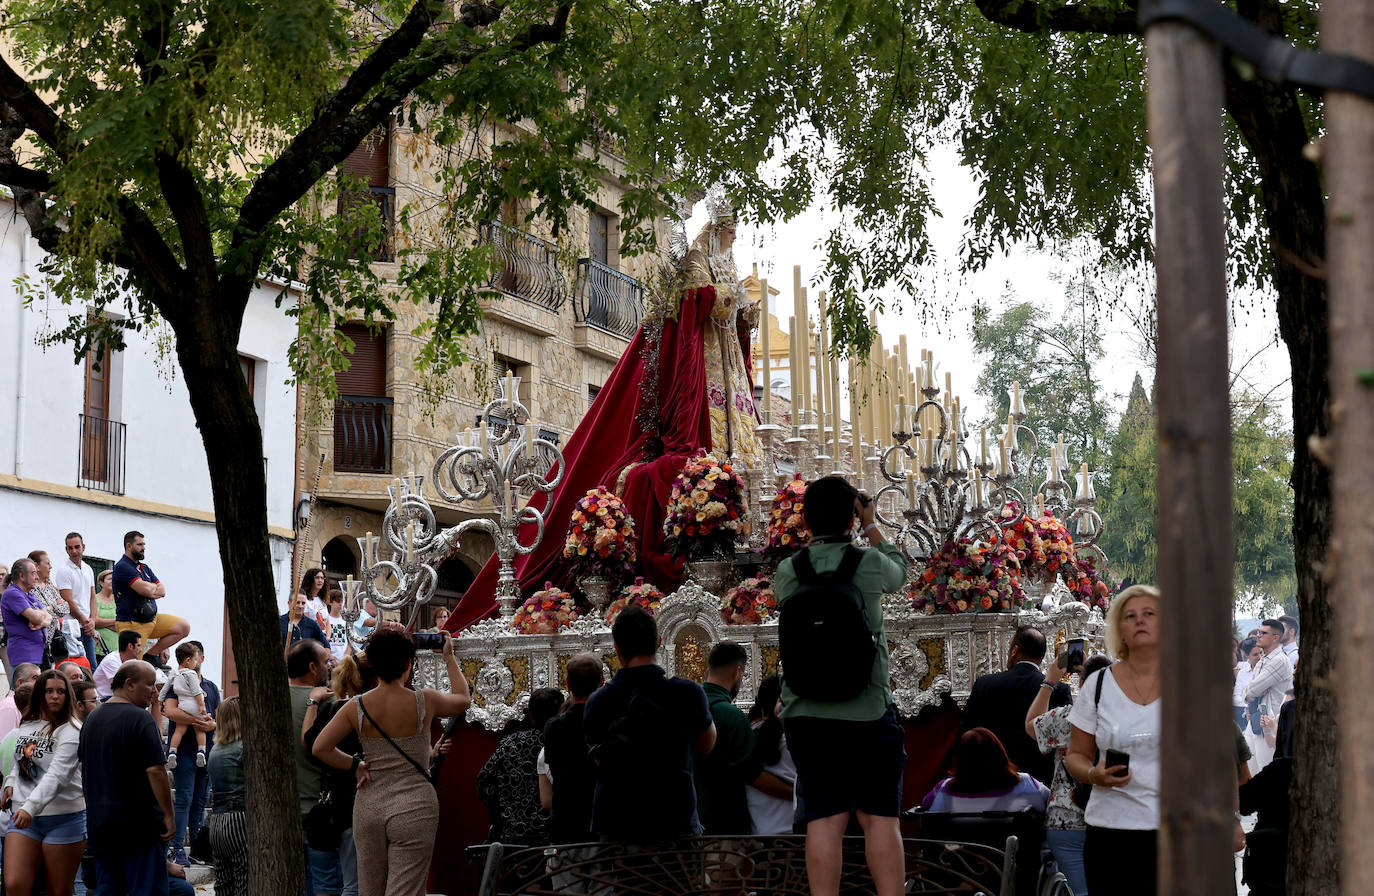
column 967, row 577
column 545, row 612
column 640, row 594
column 787, row 531
column 749, row 603
column 601, row 538
column 705, row 512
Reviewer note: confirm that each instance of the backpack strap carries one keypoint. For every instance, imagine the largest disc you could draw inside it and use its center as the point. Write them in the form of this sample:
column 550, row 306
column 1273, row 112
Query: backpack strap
column 1097, row 697
column 850, row 564
column 801, row 565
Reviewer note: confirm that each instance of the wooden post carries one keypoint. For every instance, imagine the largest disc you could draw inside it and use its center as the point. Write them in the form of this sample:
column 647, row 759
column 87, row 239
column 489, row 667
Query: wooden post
column 1347, row 26
column 1196, row 555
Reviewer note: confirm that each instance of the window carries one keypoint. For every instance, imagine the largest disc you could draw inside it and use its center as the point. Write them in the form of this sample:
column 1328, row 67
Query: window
column 367, row 201
column 500, row 367
column 248, row 367
column 101, row 464
column 592, row 392
column 600, row 237
column 362, row 410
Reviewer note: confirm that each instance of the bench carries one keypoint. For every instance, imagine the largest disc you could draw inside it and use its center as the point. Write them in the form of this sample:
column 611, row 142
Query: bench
column 765, row 864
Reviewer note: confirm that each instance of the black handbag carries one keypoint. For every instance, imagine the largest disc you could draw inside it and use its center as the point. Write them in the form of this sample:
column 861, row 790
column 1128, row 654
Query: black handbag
column 143, row 610
column 322, row 828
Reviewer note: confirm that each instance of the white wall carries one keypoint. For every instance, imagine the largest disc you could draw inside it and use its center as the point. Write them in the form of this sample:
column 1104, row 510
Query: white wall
column 167, row 481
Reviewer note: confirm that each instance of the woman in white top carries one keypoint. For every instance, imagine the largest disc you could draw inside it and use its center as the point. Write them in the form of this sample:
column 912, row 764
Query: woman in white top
column 1123, row 811
column 1244, row 667
column 43, row 789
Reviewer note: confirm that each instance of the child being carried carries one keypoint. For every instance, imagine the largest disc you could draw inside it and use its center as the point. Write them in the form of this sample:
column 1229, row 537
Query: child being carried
column 185, row 686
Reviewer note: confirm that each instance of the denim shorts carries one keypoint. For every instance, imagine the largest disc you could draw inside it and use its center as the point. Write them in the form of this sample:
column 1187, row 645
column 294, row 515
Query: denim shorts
column 844, row 765
column 55, row 829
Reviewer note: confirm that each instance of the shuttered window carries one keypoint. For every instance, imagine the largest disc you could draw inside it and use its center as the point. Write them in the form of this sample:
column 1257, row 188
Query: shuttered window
column 362, row 412
column 368, row 204
column 366, row 373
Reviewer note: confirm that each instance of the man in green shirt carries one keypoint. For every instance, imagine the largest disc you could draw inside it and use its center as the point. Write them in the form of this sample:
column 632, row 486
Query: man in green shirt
column 734, row 762
column 849, row 753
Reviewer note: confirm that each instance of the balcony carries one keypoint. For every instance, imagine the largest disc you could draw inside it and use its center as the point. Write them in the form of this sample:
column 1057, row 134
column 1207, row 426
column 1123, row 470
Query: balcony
column 527, row 266
column 362, row 434
column 607, row 299
column 375, row 235
column 101, row 466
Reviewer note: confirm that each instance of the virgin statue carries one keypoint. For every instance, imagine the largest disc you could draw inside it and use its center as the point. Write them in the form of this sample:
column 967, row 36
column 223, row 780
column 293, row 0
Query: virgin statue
column 682, row 385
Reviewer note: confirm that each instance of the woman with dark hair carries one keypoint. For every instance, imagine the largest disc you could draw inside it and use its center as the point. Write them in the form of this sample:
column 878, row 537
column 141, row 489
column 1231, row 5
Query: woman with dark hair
column 43, row 788
column 985, row 780
column 1245, row 666
column 314, row 588
column 396, row 809
column 771, row 814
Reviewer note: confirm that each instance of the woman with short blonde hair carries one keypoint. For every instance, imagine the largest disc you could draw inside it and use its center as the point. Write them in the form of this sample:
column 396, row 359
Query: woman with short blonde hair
column 1114, row 746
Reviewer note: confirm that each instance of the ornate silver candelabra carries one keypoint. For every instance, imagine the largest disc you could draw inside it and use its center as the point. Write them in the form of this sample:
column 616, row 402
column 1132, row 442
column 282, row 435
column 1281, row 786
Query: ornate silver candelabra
column 500, row 463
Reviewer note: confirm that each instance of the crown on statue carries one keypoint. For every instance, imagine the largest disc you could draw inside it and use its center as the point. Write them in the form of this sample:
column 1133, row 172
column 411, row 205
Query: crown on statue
column 718, row 206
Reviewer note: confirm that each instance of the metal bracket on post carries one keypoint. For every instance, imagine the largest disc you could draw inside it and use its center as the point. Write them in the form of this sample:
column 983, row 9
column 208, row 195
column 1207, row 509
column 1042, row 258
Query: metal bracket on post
column 1274, row 58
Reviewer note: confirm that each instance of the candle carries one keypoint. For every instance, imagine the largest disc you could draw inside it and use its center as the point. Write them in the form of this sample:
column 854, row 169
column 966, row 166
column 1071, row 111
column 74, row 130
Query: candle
column 531, row 433
column 1004, row 468
column 483, row 440
column 836, row 428
column 954, row 437
column 827, row 402
column 930, row 368
column 818, row 396
column 1083, row 488
column 911, row 489
column 1017, row 407
column 901, row 410
column 983, row 447
column 764, row 362
column 793, row 367
column 855, row 412
column 802, row 380
column 949, row 383
column 1011, row 433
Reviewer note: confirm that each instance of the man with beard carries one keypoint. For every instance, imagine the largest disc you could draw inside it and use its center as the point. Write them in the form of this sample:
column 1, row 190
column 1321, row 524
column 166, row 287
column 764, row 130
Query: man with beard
column 137, row 590
column 722, row 774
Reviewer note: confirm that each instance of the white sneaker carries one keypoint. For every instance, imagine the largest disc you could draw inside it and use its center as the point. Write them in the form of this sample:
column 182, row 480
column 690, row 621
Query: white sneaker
column 200, row 759
column 172, row 759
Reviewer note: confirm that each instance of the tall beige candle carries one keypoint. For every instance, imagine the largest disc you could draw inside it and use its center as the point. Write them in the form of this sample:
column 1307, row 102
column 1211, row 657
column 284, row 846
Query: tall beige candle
column 855, row 439
column 793, row 369
column 827, row 398
column 764, row 362
column 834, row 364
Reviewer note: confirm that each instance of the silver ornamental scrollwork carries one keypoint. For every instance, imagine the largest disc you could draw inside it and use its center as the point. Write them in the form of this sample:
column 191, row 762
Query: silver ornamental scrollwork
column 909, row 666
column 493, row 682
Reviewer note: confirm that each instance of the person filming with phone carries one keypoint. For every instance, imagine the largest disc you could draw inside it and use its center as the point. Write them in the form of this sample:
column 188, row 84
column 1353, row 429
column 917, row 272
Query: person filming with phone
column 1114, row 746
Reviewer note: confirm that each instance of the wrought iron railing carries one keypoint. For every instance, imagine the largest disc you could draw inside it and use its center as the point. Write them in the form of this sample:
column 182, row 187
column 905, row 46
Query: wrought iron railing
column 383, row 246
column 101, row 466
column 362, row 434
column 528, row 266
column 607, row 299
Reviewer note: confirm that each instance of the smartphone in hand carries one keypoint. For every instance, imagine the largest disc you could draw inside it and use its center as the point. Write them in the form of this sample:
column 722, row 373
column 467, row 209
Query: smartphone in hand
column 1116, row 757
column 1076, row 655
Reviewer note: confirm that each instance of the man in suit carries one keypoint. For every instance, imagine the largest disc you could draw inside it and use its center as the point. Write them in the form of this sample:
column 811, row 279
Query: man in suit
column 999, row 702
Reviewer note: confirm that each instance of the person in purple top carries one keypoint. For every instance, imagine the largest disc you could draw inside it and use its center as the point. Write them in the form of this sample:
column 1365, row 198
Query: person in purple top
column 23, row 614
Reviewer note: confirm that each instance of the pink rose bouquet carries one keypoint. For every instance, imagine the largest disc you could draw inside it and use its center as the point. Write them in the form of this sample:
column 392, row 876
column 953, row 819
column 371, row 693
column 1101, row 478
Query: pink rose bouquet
column 787, row 530
column 705, row 512
column 545, row 612
column 640, row 594
column 967, row 577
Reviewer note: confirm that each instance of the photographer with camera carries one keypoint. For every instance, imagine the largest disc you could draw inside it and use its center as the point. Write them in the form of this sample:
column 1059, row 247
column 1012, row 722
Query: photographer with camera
column 396, row 809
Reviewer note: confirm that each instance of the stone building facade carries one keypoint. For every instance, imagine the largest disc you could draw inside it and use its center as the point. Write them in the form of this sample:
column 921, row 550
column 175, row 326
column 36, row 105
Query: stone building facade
column 558, row 313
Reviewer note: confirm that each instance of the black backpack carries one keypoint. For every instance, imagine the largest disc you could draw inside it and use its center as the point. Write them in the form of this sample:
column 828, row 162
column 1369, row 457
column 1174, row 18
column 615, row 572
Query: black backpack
column 826, row 644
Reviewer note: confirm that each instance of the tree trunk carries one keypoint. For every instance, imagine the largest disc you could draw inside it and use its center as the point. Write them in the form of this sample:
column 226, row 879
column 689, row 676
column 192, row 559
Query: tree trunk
column 207, row 347
column 1196, row 553
column 1348, row 27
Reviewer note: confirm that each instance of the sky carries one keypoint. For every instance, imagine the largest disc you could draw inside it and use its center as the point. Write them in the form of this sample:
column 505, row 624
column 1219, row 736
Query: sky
column 775, row 249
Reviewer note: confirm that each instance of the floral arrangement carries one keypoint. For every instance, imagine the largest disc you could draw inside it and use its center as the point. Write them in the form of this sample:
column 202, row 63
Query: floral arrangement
column 705, row 510
column 967, row 577
column 749, row 603
column 640, row 594
column 787, row 530
column 545, row 612
column 1086, row 584
column 601, row 537
column 1042, row 544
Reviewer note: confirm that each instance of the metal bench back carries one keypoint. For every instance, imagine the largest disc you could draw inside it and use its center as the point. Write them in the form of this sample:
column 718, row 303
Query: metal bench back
column 769, row 864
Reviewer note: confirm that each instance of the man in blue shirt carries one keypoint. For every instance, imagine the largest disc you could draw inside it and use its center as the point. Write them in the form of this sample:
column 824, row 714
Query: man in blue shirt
column 297, row 625
column 191, row 783
column 136, row 593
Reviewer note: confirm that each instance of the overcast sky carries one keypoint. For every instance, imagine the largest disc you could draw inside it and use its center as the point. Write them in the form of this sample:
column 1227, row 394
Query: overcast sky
column 776, row 249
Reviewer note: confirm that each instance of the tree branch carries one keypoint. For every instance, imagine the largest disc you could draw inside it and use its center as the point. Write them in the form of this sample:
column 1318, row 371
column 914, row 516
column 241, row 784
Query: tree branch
column 1035, row 18
column 12, row 174
column 391, row 73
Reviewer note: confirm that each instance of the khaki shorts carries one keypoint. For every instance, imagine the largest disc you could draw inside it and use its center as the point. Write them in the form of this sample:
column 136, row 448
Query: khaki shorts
column 161, row 626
